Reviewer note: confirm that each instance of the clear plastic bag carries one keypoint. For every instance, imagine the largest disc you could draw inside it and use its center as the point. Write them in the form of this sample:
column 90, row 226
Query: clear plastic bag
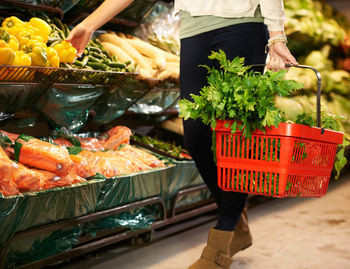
column 161, row 28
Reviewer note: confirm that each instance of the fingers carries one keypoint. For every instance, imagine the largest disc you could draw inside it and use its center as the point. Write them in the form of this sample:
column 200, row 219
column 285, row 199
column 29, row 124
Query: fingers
column 79, row 38
column 275, row 64
column 283, row 52
column 279, row 56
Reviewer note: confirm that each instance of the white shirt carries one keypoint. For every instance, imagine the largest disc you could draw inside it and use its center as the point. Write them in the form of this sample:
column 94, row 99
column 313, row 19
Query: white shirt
column 271, row 10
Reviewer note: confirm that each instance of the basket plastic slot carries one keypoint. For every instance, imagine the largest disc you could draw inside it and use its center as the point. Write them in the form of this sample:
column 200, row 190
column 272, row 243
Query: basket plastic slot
column 294, row 183
column 222, row 142
column 251, row 154
column 246, row 180
column 297, row 152
column 277, row 141
column 240, row 179
column 229, row 150
column 261, row 148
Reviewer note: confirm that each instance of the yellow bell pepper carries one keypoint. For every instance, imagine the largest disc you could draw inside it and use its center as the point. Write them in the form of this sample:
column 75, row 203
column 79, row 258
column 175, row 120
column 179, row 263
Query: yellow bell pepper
column 11, row 41
column 28, row 47
column 52, row 57
column 66, row 52
column 7, row 55
column 40, row 28
column 27, row 35
column 13, row 25
column 38, row 56
column 22, row 59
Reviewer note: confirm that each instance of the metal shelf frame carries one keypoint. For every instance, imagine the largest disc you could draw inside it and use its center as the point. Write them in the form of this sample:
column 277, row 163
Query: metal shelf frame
column 167, row 218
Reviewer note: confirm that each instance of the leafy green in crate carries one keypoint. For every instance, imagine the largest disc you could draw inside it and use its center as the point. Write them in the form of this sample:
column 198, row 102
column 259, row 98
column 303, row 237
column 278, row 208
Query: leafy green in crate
column 238, row 93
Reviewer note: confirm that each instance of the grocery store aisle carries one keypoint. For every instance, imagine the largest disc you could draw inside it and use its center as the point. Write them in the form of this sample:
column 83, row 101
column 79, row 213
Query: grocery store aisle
column 303, row 233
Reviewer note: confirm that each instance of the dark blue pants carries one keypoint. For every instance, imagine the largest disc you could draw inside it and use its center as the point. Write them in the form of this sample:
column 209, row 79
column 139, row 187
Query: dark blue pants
column 246, row 40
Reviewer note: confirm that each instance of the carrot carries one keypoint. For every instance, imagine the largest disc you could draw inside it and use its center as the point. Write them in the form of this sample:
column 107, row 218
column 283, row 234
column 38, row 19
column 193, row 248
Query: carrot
column 85, row 163
column 7, row 185
column 28, row 179
column 114, row 137
column 43, row 155
column 143, row 156
column 63, row 142
column 34, row 180
column 60, row 181
column 90, row 143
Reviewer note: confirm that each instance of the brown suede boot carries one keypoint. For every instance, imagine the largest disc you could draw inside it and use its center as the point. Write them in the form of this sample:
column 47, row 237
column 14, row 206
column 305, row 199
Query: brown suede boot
column 216, row 254
column 242, row 237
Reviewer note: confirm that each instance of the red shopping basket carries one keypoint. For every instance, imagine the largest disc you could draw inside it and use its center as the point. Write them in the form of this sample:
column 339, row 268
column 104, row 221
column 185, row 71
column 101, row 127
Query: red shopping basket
column 291, row 160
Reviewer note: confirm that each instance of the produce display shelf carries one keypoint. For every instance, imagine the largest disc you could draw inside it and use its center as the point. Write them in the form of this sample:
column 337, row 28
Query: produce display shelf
column 167, row 218
column 36, row 74
column 21, row 87
column 38, row 226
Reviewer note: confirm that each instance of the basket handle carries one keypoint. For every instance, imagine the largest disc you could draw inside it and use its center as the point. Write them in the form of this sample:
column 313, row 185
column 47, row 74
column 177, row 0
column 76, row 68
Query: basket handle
column 318, row 98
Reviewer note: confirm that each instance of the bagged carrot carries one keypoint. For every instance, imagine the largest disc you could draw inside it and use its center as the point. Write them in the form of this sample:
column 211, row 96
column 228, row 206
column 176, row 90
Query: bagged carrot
column 7, row 185
column 34, row 179
column 114, row 137
column 63, row 142
column 84, row 162
column 91, row 143
column 141, row 155
column 28, row 179
column 60, row 181
column 43, row 155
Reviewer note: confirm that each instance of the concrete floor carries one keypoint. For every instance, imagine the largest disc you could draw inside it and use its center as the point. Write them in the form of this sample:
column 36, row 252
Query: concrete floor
column 299, row 233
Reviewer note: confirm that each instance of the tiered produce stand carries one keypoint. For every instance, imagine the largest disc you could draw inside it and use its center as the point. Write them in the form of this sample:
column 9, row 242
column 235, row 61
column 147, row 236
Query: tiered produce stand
column 47, row 226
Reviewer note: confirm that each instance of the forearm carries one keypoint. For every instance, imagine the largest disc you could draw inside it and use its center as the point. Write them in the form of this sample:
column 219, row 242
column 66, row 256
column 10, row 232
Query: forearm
column 105, row 12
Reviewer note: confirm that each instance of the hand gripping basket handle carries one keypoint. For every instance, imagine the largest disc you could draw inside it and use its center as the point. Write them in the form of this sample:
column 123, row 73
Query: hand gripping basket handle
column 318, row 100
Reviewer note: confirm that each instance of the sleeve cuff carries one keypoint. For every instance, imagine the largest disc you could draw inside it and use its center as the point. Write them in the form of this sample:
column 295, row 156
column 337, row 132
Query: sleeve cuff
column 275, row 27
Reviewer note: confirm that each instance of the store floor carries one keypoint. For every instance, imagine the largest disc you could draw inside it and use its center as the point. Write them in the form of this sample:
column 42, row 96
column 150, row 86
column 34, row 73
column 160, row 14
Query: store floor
column 303, row 233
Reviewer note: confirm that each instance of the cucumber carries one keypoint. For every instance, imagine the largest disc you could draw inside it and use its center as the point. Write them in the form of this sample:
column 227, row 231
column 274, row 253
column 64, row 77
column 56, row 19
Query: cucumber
column 66, row 29
column 116, row 65
column 96, row 50
column 93, row 59
column 78, row 63
column 58, row 23
column 97, row 66
column 98, row 55
column 85, row 60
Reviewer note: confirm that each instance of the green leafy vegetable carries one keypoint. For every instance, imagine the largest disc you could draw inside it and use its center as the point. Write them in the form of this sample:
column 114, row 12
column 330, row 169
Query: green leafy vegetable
column 237, row 93
column 340, row 159
column 74, row 150
column 305, row 120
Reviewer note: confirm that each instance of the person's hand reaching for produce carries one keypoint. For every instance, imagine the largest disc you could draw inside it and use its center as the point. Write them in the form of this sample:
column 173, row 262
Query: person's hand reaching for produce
column 79, row 37
column 81, row 34
column 279, row 54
